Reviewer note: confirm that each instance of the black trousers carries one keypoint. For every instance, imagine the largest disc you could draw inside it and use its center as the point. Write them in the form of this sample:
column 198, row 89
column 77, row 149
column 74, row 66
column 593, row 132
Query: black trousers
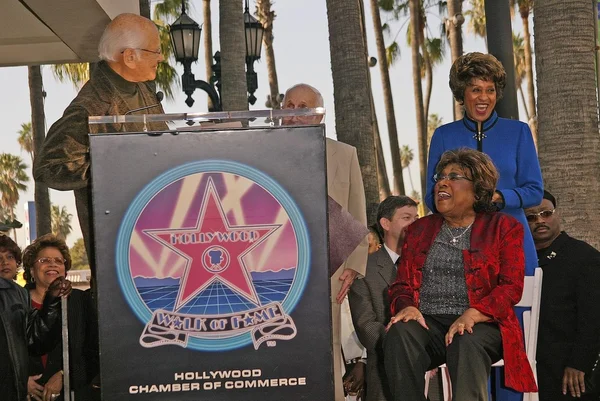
column 411, row 350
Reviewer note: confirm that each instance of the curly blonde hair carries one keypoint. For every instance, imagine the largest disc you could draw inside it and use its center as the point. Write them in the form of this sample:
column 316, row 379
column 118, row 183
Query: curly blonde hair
column 31, row 252
column 476, row 66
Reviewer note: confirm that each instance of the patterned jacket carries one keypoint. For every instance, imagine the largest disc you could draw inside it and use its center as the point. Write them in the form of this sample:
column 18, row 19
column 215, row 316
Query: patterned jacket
column 494, row 272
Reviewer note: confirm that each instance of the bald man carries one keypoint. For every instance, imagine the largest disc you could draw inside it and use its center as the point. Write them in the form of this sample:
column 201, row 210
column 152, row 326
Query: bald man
column 345, row 186
column 130, row 52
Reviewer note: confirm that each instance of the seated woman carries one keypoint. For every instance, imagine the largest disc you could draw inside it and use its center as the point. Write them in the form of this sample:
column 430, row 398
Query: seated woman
column 460, row 274
column 10, row 257
column 45, row 259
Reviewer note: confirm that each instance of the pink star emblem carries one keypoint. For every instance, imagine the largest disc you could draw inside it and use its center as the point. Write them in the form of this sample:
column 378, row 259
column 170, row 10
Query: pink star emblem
column 214, row 250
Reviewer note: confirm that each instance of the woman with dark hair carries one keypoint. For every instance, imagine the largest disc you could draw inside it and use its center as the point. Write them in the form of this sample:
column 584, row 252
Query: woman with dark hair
column 10, row 257
column 477, row 81
column 45, row 259
column 461, row 272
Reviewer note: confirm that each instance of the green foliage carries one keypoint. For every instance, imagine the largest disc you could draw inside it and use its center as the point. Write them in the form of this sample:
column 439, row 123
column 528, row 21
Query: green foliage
column 76, row 73
column 392, row 52
column 13, row 177
column 26, row 138
column 79, row 259
column 476, row 16
column 519, row 55
column 406, row 156
column 61, row 221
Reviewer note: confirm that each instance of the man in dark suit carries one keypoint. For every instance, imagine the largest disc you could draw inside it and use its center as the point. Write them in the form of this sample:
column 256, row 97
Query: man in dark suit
column 569, row 328
column 368, row 297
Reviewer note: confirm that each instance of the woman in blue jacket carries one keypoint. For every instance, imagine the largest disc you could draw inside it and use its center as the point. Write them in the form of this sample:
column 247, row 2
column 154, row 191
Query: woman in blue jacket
column 477, row 81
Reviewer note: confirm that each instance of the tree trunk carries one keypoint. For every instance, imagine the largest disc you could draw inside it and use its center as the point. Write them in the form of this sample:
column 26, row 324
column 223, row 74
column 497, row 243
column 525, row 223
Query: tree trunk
column 418, row 93
column 38, row 127
column 454, row 32
column 524, row 103
column 532, row 119
column 428, row 80
column 500, row 44
column 569, row 143
column 208, row 52
column 145, row 8
column 388, row 100
column 234, row 91
column 266, row 16
column 353, row 118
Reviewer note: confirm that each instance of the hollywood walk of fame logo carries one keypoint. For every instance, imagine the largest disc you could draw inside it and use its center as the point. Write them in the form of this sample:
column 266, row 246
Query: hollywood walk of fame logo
column 213, row 255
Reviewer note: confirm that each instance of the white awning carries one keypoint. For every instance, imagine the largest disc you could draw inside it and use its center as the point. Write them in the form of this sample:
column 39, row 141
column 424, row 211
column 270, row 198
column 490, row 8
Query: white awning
column 57, row 31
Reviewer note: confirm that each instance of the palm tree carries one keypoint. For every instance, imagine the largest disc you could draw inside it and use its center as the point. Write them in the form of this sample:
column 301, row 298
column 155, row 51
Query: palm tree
column 266, row 16
column 418, row 90
column 61, row 222
column 407, row 156
column 433, row 122
column 525, row 7
column 388, row 99
column 26, row 139
column 38, row 131
column 520, row 75
column 476, row 14
column 350, row 76
column 76, row 73
column 233, row 56
column 568, row 139
column 208, row 49
column 453, row 26
column 13, row 177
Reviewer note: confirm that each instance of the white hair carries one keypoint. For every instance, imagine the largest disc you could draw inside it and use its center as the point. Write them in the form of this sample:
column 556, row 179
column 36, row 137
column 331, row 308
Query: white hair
column 320, row 102
column 126, row 31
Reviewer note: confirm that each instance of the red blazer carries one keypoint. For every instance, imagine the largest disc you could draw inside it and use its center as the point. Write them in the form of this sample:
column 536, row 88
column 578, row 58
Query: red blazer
column 494, row 272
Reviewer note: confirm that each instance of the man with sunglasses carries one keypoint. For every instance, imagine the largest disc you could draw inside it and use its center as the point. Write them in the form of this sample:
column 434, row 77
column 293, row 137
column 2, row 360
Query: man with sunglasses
column 122, row 82
column 569, row 327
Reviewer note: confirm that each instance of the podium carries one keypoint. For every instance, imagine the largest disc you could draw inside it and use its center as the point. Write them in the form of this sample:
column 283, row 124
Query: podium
column 212, row 264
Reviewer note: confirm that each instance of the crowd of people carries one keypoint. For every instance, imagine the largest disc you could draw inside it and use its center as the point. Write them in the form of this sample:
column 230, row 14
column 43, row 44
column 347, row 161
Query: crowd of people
column 439, row 289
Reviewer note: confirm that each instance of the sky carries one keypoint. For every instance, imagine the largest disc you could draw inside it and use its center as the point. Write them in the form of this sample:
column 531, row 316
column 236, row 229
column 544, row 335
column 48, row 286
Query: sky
column 301, row 48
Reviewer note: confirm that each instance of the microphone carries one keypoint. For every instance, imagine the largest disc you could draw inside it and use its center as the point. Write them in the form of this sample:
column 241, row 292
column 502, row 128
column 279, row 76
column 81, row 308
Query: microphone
column 159, row 97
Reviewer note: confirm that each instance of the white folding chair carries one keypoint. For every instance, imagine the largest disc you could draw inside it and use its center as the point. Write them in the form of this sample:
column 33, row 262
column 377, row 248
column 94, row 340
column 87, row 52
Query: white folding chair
column 532, row 294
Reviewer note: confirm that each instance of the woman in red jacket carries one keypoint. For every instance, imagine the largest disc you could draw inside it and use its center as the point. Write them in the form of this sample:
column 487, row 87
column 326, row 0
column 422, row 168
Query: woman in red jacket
column 460, row 274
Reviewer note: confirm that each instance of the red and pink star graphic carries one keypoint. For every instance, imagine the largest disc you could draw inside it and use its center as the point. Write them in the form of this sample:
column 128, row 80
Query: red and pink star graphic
column 214, row 250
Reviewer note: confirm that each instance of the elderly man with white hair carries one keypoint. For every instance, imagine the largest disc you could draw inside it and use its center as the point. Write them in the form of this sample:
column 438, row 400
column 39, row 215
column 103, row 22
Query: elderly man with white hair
column 345, row 186
column 122, row 81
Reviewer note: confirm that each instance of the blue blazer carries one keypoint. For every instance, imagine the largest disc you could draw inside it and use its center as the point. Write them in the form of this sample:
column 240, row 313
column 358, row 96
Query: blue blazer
column 509, row 144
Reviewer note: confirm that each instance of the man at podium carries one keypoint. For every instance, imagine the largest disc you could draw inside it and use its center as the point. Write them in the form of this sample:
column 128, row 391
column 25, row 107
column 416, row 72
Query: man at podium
column 121, row 82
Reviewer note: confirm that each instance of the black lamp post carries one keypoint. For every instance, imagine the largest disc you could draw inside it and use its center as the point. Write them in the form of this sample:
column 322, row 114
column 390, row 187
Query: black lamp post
column 253, row 31
column 185, row 38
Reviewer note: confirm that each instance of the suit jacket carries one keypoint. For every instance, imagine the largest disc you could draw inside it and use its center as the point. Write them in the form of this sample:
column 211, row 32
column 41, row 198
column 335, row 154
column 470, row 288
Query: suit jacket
column 370, row 307
column 345, row 186
column 569, row 330
column 64, row 161
column 494, row 273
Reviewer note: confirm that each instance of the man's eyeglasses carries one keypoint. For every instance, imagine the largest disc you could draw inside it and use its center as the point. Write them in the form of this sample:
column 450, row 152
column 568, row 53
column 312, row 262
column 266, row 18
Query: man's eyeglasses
column 543, row 214
column 451, row 177
column 47, row 261
column 155, row 52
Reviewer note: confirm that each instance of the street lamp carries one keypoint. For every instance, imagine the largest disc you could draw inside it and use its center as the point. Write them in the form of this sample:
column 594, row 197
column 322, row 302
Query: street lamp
column 253, row 31
column 185, row 38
